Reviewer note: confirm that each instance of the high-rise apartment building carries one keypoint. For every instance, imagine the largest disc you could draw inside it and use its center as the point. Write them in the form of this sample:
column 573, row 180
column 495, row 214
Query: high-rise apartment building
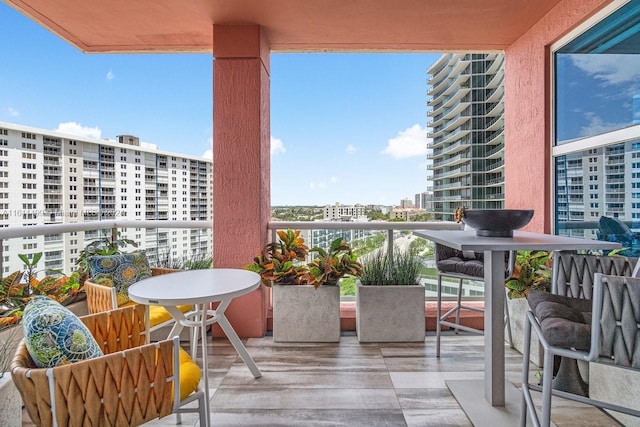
column 467, row 138
column 48, row 177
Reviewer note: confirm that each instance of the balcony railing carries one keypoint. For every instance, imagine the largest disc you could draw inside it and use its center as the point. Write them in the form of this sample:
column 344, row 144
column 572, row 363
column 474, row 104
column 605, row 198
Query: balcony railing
column 46, row 238
column 387, row 234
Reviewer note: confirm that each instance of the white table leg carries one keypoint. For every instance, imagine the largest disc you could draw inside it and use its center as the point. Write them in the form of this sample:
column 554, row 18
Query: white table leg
column 494, row 295
column 237, row 344
column 179, row 317
column 205, row 360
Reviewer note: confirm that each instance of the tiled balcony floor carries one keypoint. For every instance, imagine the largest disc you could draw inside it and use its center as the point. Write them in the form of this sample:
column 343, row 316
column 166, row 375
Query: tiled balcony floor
column 353, row 384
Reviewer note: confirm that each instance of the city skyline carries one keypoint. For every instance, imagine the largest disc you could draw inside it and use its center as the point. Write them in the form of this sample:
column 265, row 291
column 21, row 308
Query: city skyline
column 344, row 127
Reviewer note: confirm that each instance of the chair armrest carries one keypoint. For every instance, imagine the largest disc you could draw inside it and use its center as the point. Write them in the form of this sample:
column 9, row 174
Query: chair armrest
column 100, row 298
column 100, row 391
column 127, row 387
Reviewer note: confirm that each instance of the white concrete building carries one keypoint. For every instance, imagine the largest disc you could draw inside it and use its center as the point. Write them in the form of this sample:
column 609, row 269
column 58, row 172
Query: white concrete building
column 48, row 177
column 340, row 212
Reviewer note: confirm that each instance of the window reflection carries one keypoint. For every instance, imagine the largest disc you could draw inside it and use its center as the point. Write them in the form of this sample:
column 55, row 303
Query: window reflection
column 595, row 94
column 597, row 91
column 598, row 77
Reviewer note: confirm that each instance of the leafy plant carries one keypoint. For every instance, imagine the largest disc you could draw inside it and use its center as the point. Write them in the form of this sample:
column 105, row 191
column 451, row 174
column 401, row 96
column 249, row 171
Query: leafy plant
column 281, row 262
column 532, row 271
column 330, row 266
column 30, row 269
column 15, row 293
column 403, row 268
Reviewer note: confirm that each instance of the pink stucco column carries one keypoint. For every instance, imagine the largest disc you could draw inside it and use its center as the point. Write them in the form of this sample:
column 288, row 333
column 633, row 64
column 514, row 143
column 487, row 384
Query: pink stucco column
column 241, row 168
column 527, row 114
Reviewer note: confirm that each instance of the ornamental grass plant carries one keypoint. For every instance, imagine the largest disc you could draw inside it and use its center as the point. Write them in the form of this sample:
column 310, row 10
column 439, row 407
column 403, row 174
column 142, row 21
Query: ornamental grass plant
column 402, row 269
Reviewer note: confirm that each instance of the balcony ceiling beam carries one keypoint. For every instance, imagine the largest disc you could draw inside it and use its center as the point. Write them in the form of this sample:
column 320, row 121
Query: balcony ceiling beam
column 289, row 25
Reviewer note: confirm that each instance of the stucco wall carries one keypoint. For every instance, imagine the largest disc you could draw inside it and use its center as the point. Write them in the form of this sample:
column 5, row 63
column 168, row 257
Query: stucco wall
column 241, row 168
column 527, row 110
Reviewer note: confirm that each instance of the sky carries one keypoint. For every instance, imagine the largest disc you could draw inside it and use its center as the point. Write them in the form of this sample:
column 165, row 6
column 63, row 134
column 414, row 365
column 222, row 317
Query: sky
column 347, row 128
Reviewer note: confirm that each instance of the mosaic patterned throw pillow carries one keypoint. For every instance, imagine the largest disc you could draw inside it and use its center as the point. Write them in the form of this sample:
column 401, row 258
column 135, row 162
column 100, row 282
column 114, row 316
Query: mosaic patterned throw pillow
column 54, row 335
column 119, row 271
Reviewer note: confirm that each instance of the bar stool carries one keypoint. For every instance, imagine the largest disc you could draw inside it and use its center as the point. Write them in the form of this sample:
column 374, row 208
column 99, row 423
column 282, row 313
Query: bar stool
column 467, row 265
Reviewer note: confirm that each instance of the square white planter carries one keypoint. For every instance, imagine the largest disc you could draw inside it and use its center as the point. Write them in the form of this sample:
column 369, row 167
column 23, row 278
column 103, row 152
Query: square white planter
column 390, row 313
column 10, row 403
column 302, row 313
column 518, row 308
column 615, row 384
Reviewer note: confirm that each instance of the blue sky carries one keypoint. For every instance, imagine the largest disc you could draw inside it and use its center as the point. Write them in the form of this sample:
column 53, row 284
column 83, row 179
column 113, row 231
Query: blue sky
column 346, row 128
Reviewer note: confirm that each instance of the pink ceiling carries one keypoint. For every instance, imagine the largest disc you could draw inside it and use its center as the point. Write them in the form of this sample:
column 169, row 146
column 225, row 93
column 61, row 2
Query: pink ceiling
column 290, row 25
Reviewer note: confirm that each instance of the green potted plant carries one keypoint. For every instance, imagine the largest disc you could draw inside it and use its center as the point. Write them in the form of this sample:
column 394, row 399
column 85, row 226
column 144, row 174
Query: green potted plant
column 281, row 263
column 17, row 289
column 390, row 298
column 328, row 267
column 532, row 271
column 303, row 309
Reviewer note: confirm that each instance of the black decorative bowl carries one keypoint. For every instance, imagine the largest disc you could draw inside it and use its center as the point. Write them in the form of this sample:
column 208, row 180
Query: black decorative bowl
column 497, row 222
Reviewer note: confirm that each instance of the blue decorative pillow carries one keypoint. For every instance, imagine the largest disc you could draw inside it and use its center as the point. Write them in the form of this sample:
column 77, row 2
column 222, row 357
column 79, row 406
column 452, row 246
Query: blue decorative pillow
column 119, row 271
column 54, row 335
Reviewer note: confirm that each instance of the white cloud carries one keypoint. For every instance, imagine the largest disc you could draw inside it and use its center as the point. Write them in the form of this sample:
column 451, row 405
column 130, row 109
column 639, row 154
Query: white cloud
column 13, row 112
column 596, row 126
column 209, row 153
column 351, row 149
column 277, row 146
column 110, row 75
column 410, row 142
column 334, row 180
column 317, row 185
column 73, row 128
column 611, row 69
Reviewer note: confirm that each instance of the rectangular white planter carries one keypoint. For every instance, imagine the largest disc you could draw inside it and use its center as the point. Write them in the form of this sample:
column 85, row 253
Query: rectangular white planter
column 518, row 308
column 617, row 385
column 302, row 313
column 390, row 313
column 10, row 403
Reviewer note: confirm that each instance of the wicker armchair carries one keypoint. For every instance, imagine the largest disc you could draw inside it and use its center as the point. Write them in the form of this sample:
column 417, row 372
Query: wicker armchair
column 103, row 298
column 131, row 384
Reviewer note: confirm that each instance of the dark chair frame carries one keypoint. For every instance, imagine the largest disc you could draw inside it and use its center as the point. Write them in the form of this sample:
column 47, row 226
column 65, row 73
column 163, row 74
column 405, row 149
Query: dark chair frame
column 443, row 252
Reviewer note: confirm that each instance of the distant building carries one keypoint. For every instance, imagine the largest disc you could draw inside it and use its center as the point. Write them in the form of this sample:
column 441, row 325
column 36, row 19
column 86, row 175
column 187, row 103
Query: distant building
column 467, row 132
column 405, row 213
column 48, row 177
column 406, row 203
column 340, row 212
column 418, row 200
column 426, row 201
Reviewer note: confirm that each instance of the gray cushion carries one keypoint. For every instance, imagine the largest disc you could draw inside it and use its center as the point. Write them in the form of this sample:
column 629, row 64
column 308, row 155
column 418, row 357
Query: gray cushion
column 565, row 321
column 470, row 267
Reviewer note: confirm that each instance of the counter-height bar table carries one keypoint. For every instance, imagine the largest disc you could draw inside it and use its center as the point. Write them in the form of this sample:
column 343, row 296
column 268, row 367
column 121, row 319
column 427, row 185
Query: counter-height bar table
column 494, row 409
column 200, row 288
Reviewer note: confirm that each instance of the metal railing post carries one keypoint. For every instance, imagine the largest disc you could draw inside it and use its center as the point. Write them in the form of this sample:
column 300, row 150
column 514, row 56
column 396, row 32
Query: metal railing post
column 389, row 244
